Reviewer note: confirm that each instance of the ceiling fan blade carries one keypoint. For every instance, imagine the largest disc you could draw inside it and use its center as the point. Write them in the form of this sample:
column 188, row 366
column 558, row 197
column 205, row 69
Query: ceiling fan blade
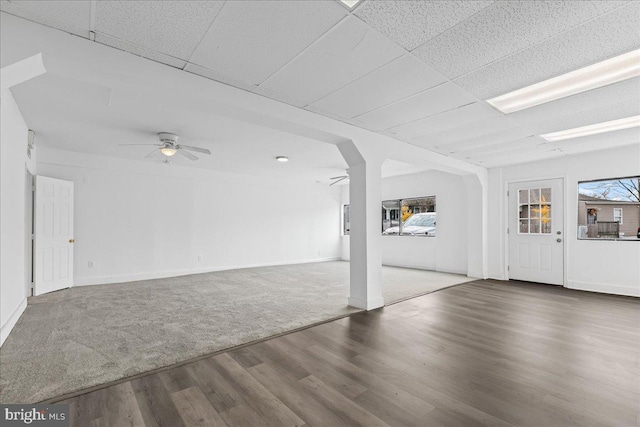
column 198, row 149
column 187, row 154
column 338, row 180
column 122, row 145
column 152, row 153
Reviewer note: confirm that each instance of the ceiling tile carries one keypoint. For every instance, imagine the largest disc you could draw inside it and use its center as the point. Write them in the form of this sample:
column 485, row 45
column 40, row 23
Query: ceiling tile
column 173, row 28
column 492, row 138
column 205, row 72
column 530, row 145
column 347, row 52
column 70, row 16
column 583, row 118
column 396, row 80
column 140, row 51
column 436, row 100
column 613, row 34
column 472, row 130
column 487, row 151
column 445, row 121
column 518, row 158
column 250, row 40
column 505, row 28
column 411, row 23
column 282, row 97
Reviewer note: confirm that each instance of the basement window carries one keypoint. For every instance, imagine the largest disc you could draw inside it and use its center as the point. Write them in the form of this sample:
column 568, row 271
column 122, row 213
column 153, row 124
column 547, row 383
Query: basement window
column 609, row 209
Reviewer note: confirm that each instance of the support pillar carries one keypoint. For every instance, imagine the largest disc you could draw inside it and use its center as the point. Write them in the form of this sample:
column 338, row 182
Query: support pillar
column 365, row 289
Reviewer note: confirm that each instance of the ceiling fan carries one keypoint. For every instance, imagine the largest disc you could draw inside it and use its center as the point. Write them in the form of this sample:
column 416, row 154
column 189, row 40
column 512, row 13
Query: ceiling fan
column 339, row 178
column 169, row 147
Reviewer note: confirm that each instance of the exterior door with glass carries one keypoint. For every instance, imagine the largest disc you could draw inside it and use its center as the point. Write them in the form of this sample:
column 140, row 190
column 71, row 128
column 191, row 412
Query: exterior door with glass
column 536, row 231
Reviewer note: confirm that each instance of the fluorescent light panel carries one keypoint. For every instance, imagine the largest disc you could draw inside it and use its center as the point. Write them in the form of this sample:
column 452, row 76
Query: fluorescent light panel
column 594, row 129
column 603, row 73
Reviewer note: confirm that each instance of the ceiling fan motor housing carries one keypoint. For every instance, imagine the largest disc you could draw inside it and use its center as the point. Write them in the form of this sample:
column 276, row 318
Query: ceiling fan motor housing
column 168, row 138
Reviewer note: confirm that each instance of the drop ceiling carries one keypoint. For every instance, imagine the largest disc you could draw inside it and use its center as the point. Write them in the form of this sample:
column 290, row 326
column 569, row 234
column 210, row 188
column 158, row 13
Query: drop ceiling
column 419, row 71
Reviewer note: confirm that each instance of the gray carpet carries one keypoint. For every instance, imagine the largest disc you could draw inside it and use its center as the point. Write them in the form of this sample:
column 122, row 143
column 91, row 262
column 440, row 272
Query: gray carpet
column 80, row 337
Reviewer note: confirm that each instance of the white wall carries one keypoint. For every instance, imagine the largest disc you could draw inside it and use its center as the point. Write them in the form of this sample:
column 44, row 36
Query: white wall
column 601, row 266
column 13, row 163
column 141, row 219
column 447, row 251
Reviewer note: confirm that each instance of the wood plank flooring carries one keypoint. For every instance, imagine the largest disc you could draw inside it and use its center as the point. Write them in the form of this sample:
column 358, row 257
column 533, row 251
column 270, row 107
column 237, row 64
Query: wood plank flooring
column 484, row 353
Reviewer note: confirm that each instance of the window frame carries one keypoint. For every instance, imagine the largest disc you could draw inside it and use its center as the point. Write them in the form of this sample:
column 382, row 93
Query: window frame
column 621, row 215
column 623, row 191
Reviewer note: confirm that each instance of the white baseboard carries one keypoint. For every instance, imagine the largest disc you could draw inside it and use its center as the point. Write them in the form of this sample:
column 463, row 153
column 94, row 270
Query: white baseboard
column 476, row 275
column 452, row 271
column 105, row 280
column 371, row 304
column 630, row 291
column 6, row 329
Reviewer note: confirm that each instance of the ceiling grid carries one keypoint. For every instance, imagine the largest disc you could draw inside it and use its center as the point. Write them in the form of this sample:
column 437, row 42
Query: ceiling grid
column 420, row 71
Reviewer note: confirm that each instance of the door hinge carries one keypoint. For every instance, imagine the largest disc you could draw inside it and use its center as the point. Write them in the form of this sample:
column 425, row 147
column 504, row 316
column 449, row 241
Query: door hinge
column 33, row 237
column 508, row 268
column 507, row 193
column 507, row 231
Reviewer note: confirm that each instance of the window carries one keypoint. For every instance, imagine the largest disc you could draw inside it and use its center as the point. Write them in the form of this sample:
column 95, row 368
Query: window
column 617, row 215
column 390, row 214
column 602, row 206
column 534, row 207
column 405, row 217
column 409, row 217
column 346, row 226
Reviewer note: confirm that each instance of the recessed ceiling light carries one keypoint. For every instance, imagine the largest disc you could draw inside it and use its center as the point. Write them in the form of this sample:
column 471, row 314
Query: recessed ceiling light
column 610, row 126
column 603, row 73
column 282, row 159
column 350, row 3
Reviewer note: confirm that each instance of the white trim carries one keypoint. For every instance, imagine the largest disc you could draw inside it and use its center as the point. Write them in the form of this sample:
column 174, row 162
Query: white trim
column 371, row 304
column 6, row 329
column 106, row 280
column 604, row 288
column 423, row 268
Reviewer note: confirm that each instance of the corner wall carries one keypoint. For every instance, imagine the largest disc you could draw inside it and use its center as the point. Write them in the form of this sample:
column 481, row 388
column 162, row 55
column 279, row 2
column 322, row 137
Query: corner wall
column 139, row 219
column 447, row 252
column 13, row 164
column 599, row 266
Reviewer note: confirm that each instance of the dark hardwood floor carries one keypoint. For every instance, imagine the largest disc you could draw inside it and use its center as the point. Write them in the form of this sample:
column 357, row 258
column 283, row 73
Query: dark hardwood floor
column 483, row 353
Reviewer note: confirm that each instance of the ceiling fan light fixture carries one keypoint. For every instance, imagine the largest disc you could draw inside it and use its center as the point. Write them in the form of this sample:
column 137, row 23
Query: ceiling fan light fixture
column 612, row 70
column 168, row 151
column 282, row 159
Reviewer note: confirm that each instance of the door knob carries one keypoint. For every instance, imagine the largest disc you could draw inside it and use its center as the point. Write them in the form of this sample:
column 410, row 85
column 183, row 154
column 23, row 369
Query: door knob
column 71, row 240
column 558, row 240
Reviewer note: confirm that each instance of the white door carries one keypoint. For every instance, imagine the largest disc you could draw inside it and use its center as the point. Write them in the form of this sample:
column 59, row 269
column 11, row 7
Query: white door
column 536, row 231
column 53, row 254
